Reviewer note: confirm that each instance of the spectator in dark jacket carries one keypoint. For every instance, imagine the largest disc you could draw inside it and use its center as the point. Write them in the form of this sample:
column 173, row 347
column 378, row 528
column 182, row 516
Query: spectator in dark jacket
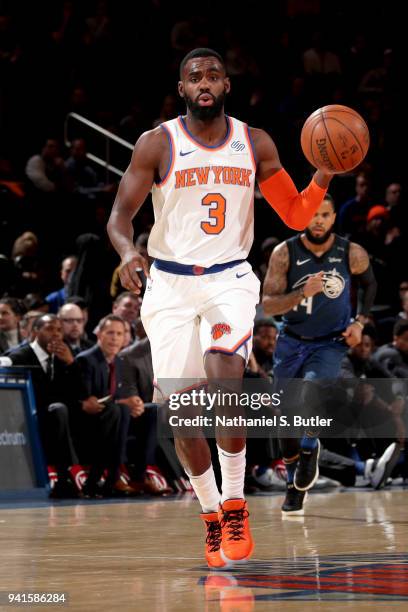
column 55, row 376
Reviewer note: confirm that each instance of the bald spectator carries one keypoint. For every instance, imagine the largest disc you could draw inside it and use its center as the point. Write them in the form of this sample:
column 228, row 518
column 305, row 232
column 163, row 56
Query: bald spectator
column 73, row 323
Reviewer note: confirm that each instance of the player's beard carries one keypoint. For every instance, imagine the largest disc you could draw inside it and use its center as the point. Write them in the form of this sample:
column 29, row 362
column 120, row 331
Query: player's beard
column 206, row 113
column 318, row 239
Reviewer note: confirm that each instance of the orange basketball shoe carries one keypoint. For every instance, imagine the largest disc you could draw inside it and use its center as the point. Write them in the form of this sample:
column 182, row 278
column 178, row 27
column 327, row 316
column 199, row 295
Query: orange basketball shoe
column 237, row 543
column 213, row 540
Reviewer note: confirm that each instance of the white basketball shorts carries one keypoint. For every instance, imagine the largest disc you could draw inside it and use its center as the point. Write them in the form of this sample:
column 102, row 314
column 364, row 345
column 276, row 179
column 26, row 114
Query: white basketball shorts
column 185, row 317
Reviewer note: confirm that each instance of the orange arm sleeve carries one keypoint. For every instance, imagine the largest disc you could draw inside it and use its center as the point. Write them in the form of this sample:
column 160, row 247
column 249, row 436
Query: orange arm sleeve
column 294, row 208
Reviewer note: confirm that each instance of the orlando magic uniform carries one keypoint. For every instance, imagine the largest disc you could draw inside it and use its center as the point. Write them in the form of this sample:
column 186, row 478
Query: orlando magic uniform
column 310, row 344
column 202, row 293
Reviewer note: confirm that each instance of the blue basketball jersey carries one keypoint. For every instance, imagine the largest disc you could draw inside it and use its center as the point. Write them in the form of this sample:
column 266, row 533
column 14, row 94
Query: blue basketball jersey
column 326, row 312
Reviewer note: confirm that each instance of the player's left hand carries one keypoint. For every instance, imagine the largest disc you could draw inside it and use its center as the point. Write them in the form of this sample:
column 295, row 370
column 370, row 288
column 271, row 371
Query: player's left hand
column 353, row 334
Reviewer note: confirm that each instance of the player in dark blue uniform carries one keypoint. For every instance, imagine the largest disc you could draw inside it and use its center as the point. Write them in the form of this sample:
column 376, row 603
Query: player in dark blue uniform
column 308, row 282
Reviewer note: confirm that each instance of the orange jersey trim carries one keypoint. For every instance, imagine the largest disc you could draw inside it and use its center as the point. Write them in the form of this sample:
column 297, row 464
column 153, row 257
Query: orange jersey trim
column 222, row 349
column 172, row 156
column 251, row 146
column 202, row 146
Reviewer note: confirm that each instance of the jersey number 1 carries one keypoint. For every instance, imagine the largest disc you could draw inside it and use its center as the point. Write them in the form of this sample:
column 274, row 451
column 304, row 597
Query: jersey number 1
column 216, row 213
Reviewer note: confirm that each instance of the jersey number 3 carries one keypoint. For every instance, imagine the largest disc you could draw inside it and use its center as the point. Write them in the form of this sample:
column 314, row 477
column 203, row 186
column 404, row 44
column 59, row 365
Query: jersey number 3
column 216, row 213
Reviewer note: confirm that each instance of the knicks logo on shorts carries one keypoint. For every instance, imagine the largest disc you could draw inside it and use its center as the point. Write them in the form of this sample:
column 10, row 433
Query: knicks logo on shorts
column 219, row 329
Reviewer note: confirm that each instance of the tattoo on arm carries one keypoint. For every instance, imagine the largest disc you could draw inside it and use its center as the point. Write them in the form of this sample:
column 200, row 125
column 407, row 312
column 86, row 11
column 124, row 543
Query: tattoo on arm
column 358, row 259
column 275, row 301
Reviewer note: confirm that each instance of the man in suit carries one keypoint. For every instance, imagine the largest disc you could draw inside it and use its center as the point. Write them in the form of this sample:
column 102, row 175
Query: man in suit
column 137, row 380
column 105, row 424
column 54, row 376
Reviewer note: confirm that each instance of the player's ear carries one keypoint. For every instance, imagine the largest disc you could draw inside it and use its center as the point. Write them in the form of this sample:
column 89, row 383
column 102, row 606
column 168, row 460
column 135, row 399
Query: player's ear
column 181, row 89
column 227, row 85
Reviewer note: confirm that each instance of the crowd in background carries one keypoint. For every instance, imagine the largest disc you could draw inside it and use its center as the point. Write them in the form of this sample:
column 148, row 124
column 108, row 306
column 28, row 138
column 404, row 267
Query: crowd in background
column 117, row 64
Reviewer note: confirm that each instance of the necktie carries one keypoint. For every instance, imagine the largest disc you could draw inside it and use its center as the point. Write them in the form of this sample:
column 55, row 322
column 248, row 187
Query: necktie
column 112, row 378
column 50, row 367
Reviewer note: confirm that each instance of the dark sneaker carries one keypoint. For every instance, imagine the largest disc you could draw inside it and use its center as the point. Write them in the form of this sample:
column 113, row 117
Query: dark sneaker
column 307, row 469
column 383, row 466
column 293, row 503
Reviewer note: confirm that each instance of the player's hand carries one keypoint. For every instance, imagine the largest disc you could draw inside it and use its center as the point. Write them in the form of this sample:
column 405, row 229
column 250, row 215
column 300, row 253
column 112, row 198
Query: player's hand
column 134, row 403
column 353, row 334
column 132, row 263
column 92, row 406
column 313, row 285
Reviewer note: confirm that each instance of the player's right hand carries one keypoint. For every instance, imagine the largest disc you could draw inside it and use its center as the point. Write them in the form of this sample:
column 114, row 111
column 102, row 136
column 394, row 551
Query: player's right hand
column 313, row 285
column 132, row 263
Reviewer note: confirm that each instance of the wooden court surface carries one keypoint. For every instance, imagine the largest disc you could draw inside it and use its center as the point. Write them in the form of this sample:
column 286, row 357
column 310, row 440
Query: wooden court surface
column 350, row 552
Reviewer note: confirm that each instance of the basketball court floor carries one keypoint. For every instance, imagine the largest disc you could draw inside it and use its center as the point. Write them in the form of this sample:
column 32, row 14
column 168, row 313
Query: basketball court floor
column 349, row 552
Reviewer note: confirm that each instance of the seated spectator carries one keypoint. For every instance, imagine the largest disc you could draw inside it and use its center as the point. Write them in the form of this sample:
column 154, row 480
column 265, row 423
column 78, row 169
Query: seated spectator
column 46, row 170
column 35, row 301
column 56, row 299
column 358, row 362
column 28, row 265
column 352, row 215
column 393, row 357
column 79, row 301
column 11, row 311
column 265, row 333
column 137, row 377
column 104, row 425
column 54, row 375
column 26, row 329
column 127, row 305
column 73, row 323
column 83, row 177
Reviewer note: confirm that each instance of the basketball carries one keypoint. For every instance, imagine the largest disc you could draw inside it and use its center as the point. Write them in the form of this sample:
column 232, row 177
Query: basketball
column 335, row 139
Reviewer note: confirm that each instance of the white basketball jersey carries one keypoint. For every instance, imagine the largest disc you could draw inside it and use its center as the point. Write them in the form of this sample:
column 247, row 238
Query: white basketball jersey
column 203, row 207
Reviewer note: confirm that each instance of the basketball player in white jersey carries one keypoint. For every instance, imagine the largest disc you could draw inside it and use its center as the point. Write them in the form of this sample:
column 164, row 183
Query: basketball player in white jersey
column 201, row 293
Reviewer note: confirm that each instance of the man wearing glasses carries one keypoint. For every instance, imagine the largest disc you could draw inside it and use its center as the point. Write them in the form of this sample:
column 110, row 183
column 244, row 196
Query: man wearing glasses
column 73, row 322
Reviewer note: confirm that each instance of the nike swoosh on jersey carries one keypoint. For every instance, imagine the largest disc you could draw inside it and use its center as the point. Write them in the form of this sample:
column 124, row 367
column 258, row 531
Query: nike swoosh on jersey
column 300, row 263
column 241, row 275
column 187, row 152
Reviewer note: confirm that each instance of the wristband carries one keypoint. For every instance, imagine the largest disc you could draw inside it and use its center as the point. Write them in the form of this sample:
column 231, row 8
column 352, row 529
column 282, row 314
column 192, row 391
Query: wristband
column 359, row 323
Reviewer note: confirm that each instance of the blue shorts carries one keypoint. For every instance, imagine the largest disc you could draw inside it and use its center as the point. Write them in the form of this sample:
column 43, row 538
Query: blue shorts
column 308, row 360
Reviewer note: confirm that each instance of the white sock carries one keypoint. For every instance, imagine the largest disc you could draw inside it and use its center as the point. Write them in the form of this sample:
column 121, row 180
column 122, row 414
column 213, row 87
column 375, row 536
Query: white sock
column 233, row 474
column 206, row 490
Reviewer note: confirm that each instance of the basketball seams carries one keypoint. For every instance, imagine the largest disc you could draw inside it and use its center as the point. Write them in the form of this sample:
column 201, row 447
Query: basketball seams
column 351, row 132
column 330, row 141
column 311, row 142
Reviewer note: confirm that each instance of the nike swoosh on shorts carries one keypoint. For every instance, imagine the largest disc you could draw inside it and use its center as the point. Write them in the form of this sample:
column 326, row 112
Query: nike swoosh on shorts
column 241, row 275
